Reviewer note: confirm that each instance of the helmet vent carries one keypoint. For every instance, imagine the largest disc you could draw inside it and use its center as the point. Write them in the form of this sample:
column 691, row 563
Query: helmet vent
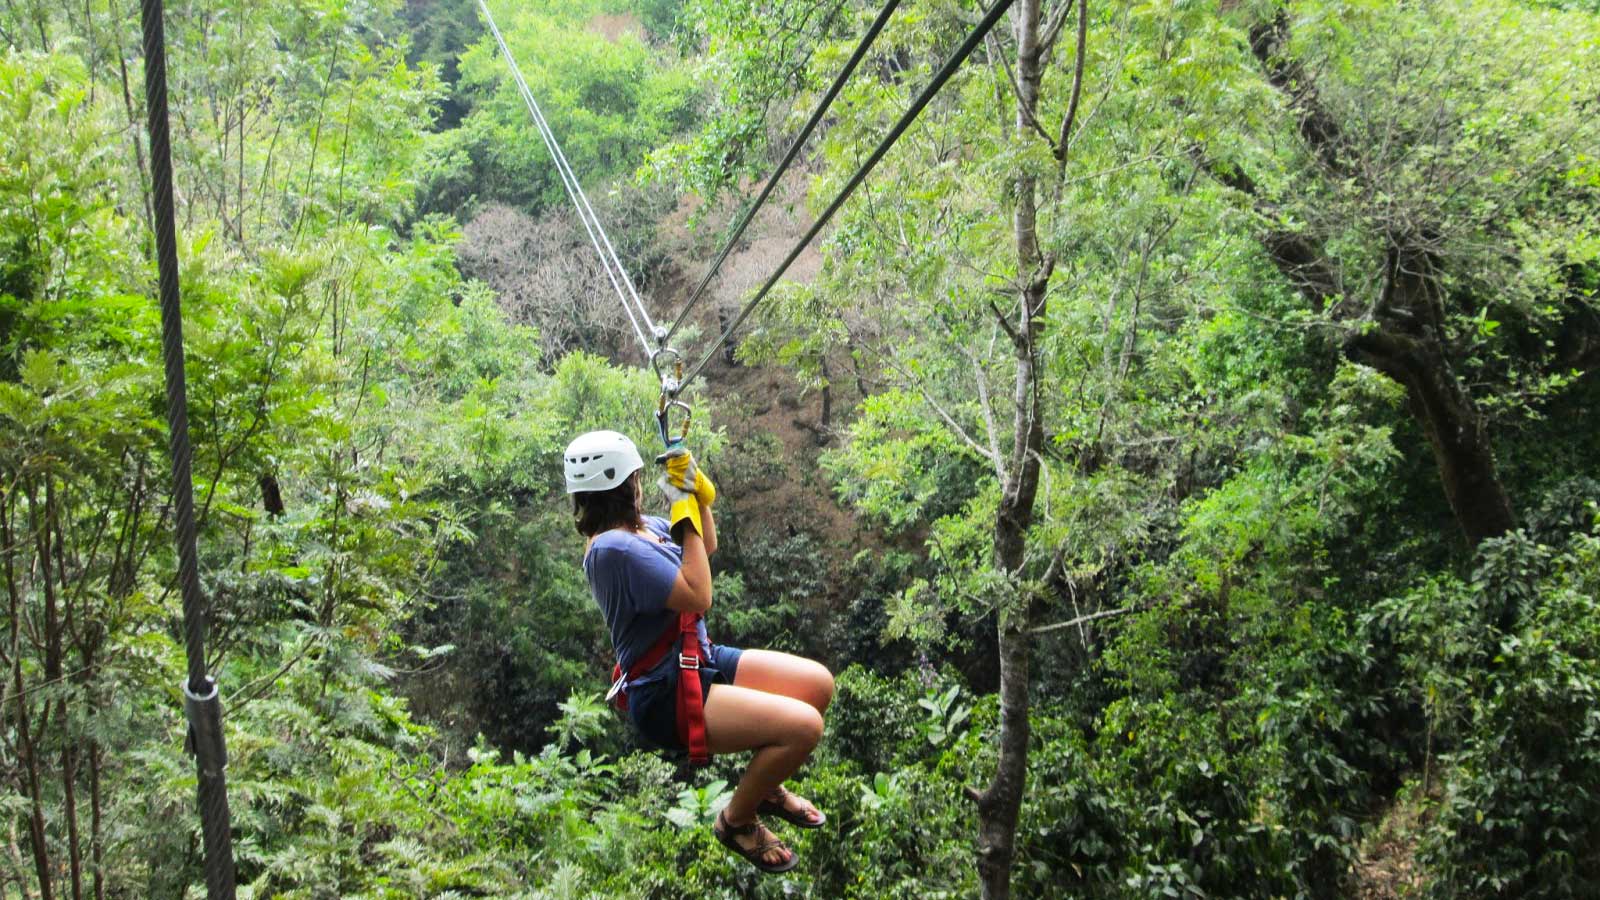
column 610, row 474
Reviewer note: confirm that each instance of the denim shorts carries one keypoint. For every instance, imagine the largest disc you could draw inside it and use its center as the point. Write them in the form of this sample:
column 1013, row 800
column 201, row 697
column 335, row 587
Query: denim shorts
column 653, row 706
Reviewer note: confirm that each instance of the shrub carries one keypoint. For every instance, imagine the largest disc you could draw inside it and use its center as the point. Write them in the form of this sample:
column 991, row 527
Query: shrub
column 1520, row 814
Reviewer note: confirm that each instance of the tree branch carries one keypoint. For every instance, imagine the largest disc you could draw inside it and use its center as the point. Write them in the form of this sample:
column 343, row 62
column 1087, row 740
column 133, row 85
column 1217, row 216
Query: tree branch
column 1005, row 323
column 995, row 50
column 1052, row 28
column 999, row 469
column 983, row 402
column 1296, row 256
column 1070, row 623
column 1269, row 41
column 1077, row 88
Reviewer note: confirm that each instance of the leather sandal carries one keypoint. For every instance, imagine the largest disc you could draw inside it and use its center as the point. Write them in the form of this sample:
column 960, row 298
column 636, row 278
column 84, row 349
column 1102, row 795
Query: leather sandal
column 727, row 833
column 773, row 805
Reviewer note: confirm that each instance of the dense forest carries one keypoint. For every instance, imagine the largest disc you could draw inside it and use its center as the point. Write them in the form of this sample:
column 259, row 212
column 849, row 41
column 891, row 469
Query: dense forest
column 1182, row 447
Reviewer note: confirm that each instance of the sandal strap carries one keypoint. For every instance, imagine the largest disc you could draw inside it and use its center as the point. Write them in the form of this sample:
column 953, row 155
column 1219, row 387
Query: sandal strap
column 781, row 795
column 750, row 827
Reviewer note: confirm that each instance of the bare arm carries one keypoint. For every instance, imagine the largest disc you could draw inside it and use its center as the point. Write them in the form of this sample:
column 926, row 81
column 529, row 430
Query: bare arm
column 692, row 591
column 711, row 529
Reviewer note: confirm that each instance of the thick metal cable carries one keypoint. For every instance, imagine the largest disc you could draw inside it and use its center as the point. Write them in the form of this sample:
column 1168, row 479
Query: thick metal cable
column 943, row 75
column 201, row 698
column 637, row 313
column 788, row 158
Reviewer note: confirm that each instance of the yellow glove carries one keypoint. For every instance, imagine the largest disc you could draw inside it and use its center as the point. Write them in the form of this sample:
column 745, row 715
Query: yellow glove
column 704, row 490
column 680, row 469
column 685, row 510
column 683, row 474
column 677, row 481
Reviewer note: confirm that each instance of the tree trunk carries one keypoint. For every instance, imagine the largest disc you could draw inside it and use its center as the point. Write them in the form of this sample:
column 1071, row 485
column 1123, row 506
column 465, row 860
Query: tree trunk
column 1409, row 347
column 25, row 746
column 69, row 788
column 20, row 870
column 827, row 403
column 1409, row 344
column 271, row 495
column 96, row 824
column 1001, row 802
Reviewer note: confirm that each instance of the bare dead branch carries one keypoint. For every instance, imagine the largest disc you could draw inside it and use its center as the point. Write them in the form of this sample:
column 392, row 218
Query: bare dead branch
column 1080, row 620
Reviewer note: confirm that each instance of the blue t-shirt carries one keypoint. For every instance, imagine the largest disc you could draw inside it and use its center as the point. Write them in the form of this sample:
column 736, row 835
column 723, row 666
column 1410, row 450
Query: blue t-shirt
column 631, row 577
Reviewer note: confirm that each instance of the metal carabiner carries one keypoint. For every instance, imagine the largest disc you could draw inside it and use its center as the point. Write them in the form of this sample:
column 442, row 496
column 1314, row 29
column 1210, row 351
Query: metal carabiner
column 676, row 378
column 664, row 424
column 670, row 385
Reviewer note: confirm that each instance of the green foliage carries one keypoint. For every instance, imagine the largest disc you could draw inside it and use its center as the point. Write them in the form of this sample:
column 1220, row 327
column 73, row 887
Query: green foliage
column 698, row 806
column 605, row 97
column 1516, row 816
column 757, row 54
column 945, row 715
column 1261, row 629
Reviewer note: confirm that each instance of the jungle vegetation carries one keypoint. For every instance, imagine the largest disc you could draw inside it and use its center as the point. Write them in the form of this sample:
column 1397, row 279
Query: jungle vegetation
column 1183, row 447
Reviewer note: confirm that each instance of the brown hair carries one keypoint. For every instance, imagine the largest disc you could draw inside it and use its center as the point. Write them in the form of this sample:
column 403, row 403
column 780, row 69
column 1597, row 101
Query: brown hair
column 597, row 511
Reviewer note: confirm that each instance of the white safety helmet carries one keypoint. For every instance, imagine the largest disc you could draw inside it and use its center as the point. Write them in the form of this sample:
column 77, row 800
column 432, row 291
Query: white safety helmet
column 599, row 461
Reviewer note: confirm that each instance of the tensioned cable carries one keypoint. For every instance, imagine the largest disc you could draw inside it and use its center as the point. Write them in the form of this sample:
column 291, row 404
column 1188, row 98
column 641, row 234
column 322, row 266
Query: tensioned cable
column 582, row 198
column 591, row 224
column 601, row 242
column 202, row 703
column 794, row 150
column 943, row 75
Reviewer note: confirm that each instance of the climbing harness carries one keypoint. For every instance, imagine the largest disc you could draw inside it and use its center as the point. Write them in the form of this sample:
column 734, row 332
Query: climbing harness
column 684, row 634
column 201, row 698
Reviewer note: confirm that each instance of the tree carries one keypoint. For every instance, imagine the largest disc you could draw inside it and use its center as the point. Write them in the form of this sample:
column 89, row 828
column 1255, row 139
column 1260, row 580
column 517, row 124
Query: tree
column 1435, row 200
column 905, row 237
column 1018, row 474
column 606, row 99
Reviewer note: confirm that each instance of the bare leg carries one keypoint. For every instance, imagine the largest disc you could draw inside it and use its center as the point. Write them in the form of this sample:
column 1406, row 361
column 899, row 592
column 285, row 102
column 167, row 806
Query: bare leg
column 782, row 731
column 791, row 676
column 786, row 674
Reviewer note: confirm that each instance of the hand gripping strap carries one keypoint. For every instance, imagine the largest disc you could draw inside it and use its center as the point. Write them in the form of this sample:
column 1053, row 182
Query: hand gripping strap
column 691, row 708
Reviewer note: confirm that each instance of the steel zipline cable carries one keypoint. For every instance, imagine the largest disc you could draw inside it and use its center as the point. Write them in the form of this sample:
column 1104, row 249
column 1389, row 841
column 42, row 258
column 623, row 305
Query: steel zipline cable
column 788, row 158
column 944, row 74
column 638, row 316
column 202, row 703
column 673, row 386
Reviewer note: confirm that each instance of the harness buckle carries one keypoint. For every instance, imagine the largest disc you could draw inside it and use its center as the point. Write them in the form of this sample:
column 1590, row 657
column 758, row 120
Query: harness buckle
column 616, row 688
column 685, row 661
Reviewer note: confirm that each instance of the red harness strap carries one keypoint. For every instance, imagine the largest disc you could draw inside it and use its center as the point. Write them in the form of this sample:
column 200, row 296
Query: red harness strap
column 691, row 709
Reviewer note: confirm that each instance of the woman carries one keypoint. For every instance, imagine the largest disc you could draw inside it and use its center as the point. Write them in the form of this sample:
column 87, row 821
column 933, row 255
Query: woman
column 652, row 578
